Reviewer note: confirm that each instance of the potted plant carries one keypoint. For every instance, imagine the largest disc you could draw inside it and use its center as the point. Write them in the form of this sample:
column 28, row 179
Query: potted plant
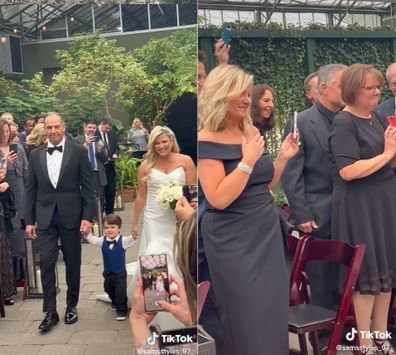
column 127, row 171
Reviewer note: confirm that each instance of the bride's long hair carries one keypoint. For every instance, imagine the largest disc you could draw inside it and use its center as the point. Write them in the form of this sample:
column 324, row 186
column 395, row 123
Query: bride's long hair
column 151, row 155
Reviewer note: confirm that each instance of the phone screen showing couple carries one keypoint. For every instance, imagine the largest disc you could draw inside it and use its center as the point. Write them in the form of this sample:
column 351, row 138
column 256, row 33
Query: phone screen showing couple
column 155, row 278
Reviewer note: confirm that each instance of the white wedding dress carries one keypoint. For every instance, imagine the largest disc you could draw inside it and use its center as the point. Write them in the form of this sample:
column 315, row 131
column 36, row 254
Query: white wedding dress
column 158, row 233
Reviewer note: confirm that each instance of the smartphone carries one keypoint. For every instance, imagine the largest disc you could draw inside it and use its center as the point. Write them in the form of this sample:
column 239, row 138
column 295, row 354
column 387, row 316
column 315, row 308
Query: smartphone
column 190, row 192
column 392, row 121
column 13, row 147
column 155, row 277
column 294, row 127
column 179, row 341
column 3, row 164
column 226, row 35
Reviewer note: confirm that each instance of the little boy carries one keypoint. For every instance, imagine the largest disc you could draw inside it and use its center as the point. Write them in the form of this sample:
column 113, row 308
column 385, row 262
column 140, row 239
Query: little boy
column 113, row 249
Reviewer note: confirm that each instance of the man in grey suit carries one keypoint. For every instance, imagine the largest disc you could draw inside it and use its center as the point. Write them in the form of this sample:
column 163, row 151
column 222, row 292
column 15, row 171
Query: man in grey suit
column 388, row 107
column 307, row 178
column 97, row 156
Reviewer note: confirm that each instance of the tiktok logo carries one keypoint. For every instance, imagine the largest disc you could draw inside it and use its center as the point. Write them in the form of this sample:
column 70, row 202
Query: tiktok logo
column 351, row 335
column 151, row 340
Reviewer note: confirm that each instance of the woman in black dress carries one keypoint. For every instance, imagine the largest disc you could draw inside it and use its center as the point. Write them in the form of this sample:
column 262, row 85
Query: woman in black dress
column 364, row 197
column 241, row 227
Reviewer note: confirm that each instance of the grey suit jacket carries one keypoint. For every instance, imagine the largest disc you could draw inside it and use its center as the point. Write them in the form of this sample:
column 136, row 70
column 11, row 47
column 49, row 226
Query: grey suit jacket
column 307, row 178
column 101, row 159
column 387, row 108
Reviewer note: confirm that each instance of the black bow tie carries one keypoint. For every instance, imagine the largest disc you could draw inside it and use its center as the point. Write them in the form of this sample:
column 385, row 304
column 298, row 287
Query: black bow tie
column 111, row 241
column 50, row 150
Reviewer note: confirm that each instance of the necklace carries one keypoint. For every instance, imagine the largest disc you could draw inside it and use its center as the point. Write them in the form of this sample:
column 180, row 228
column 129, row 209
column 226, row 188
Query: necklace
column 370, row 120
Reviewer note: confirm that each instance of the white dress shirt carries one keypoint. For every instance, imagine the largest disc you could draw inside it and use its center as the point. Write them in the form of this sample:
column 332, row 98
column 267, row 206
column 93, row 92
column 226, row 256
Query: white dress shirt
column 54, row 162
column 127, row 241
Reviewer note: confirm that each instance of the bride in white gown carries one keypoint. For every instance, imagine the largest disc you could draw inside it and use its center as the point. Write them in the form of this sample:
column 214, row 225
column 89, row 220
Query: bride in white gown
column 163, row 164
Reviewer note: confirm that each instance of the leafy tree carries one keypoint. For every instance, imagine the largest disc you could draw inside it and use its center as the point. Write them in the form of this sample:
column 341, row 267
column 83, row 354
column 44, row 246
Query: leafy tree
column 169, row 66
column 90, row 75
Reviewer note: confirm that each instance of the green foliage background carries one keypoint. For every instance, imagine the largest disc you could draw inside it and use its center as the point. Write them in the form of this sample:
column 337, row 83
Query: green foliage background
column 279, row 57
column 98, row 75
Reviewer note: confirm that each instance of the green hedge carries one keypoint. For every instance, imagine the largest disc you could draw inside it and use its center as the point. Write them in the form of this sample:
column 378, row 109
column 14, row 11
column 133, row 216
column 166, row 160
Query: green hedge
column 283, row 58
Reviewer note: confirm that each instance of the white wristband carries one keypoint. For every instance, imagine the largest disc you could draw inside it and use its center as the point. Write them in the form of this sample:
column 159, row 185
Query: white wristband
column 245, row 168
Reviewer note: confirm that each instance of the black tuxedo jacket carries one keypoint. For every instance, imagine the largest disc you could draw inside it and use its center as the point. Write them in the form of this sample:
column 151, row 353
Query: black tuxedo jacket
column 73, row 197
column 113, row 147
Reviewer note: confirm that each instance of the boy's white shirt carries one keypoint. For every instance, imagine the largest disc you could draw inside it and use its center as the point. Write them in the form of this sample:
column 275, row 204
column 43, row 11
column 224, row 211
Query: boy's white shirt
column 127, row 241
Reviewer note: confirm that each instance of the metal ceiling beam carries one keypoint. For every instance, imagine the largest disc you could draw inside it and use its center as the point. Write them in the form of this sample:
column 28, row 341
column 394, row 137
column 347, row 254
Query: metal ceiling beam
column 342, row 16
column 41, row 20
column 18, row 12
column 269, row 14
column 241, row 5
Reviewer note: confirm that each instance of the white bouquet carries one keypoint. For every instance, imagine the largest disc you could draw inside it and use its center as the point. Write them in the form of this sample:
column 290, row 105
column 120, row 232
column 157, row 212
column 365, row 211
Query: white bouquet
column 169, row 194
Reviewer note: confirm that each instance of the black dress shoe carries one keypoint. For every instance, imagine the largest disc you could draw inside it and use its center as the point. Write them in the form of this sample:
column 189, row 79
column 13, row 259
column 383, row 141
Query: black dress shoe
column 71, row 315
column 51, row 319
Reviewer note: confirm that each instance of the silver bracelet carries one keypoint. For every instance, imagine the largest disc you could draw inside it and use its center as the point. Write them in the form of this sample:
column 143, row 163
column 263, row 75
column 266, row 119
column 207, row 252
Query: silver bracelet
column 245, row 168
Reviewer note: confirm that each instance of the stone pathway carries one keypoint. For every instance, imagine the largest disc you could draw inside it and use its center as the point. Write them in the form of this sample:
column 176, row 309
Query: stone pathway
column 96, row 332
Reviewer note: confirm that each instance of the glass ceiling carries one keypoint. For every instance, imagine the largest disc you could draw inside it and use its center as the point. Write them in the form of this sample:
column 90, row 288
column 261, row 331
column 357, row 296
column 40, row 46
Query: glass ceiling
column 48, row 20
column 299, row 5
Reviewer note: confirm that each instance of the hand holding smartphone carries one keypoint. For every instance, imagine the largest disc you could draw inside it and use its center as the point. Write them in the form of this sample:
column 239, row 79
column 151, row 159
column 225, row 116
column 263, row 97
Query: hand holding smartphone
column 226, row 35
column 294, row 128
column 392, row 121
column 155, row 279
column 190, row 192
column 13, row 147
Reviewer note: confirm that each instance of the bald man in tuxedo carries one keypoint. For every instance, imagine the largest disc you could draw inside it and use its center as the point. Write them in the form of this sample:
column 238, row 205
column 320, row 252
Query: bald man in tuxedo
column 59, row 204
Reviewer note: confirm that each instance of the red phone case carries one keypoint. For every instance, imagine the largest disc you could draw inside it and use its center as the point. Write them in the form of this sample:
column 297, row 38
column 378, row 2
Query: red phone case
column 392, row 121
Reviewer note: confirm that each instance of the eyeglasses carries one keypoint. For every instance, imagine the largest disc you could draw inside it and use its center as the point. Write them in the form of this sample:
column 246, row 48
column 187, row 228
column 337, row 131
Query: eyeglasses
column 372, row 88
column 392, row 84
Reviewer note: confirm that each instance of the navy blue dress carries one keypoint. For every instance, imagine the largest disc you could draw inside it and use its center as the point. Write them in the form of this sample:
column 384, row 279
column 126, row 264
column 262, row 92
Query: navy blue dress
column 246, row 257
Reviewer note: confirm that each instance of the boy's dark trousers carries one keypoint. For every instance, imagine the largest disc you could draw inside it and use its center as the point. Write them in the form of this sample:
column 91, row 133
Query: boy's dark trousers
column 115, row 285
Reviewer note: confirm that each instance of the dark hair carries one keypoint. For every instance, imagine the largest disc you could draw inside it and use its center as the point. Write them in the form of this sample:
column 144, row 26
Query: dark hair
column 201, row 56
column 36, row 118
column 113, row 219
column 90, row 121
column 263, row 125
column 3, row 122
column 27, row 119
column 106, row 121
